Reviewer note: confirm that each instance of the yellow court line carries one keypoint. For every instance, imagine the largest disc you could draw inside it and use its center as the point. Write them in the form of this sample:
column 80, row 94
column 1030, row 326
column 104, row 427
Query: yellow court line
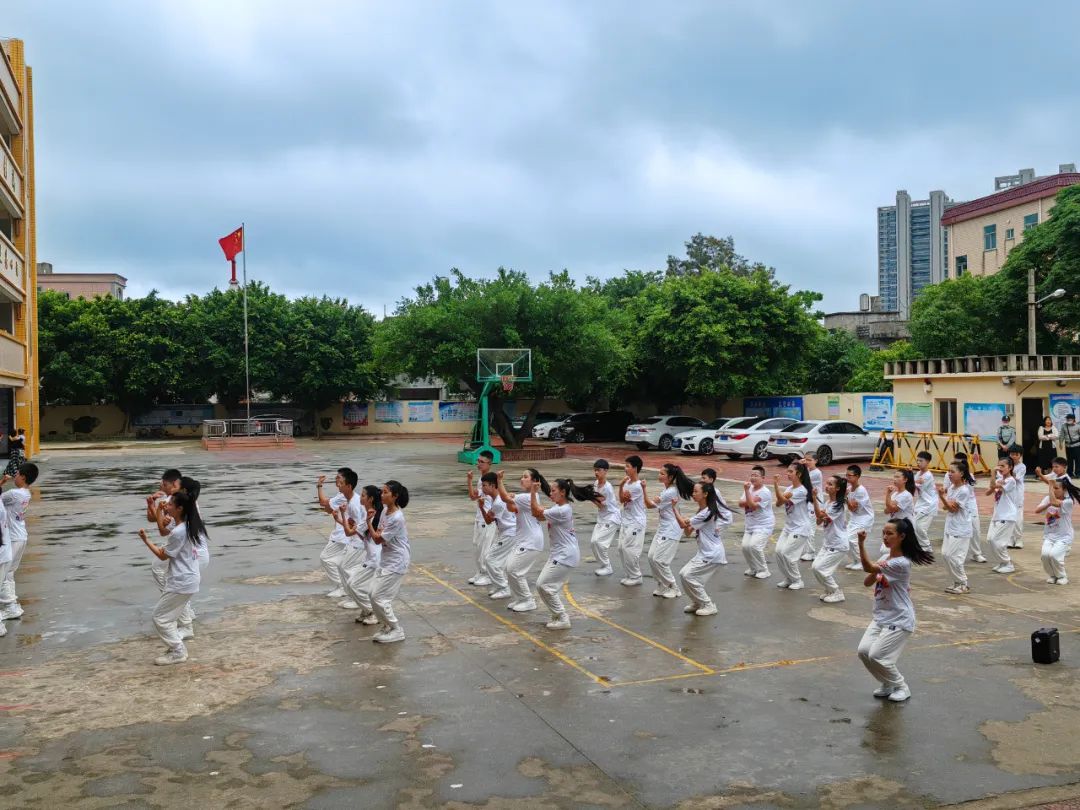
column 570, row 598
column 524, row 633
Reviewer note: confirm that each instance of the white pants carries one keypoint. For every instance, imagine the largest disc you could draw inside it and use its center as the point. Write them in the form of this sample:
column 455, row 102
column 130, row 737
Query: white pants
column 1018, row 530
column 788, row 550
column 603, row 534
column 358, row 583
column 481, row 538
column 3, row 573
column 825, row 565
column 552, row 577
column 662, row 551
column 518, row 564
column 754, row 544
column 693, row 577
column 384, row 590
column 348, row 562
column 330, row 558
column 7, row 582
column 631, row 542
column 167, row 612
column 880, row 649
column 922, row 530
column 954, row 550
column 495, row 564
column 187, row 615
column 853, row 541
column 813, row 540
column 976, row 532
column 1053, row 558
column 998, row 536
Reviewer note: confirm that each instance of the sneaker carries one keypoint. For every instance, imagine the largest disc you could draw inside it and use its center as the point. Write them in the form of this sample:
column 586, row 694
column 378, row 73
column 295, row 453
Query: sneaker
column 559, row 623
column 12, row 611
column 523, row 607
column 708, row 610
column 1051, row 580
column 749, row 572
column 630, row 582
column 3, row 630
column 1006, row 569
column 996, row 569
column 604, row 571
column 482, row 581
column 337, row 593
column 171, row 657
column 979, row 558
column 958, row 588
column 472, row 580
column 348, row 604
column 900, row 693
column 186, row 632
column 659, row 592
column 853, row 566
column 669, row 593
column 1019, row 544
column 368, row 619
column 762, row 575
column 691, row 608
column 833, row 598
column 883, row 691
column 501, row 593
column 783, row 583
column 807, row 557
column 796, row 586
column 1062, row 581
column 391, row 635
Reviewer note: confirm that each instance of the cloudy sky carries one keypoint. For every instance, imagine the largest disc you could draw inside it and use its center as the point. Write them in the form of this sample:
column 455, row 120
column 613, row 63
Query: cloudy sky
column 371, row 145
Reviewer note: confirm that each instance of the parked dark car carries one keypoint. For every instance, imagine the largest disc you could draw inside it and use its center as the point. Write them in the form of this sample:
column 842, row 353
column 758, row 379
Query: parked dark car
column 601, row 426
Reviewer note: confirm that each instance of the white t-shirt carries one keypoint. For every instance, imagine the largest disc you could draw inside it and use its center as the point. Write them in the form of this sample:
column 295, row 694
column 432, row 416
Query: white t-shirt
column 904, row 502
column 609, row 511
column 480, row 523
column 1059, row 521
column 927, row 502
column 1019, row 472
column 564, row 543
column 892, row 595
column 761, row 519
column 505, row 522
column 665, row 510
column 709, row 539
column 633, row 512
column 170, row 524
column 338, row 534
column 182, row 575
column 796, row 516
column 356, row 512
column 15, row 502
column 1004, row 502
column 836, row 530
column 958, row 523
column 395, row 545
column 862, row 516
column 529, row 533
column 817, row 481
column 5, row 546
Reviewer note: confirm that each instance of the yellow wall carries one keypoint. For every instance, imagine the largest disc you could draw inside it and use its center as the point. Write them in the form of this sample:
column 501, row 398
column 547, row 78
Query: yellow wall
column 966, row 238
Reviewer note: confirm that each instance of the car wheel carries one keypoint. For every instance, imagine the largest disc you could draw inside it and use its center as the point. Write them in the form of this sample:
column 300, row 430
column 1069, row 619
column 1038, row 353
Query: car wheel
column 664, row 443
column 824, row 456
column 642, row 445
column 706, row 447
column 761, row 451
column 733, row 455
column 579, row 437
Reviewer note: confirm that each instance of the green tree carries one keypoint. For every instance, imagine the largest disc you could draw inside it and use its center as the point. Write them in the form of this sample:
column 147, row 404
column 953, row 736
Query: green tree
column 832, row 359
column 870, row 374
column 705, row 253
column 74, row 349
column 957, row 318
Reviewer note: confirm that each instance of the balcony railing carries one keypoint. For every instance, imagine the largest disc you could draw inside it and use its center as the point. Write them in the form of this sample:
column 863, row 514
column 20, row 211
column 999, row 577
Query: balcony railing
column 11, row 264
column 1003, row 364
column 231, row 428
column 12, row 356
column 9, row 89
column 11, row 177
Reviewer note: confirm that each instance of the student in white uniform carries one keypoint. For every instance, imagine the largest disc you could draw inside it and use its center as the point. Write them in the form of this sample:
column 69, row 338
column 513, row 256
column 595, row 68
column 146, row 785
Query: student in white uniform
column 812, row 543
column 708, row 524
column 834, row 547
column 182, row 575
column 795, row 499
column 1058, row 530
column 861, row 517
column 926, row 504
column 894, row 614
column 608, row 519
column 15, row 502
column 900, row 499
column 186, row 623
column 170, row 485
column 975, row 546
column 505, row 522
column 958, row 501
column 1016, row 453
column 632, row 528
column 565, row 554
column 665, row 543
column 1002, row 523
column 528, row 539
column 362, row 562
column 757, row 505
column 483, row 532
column 5, row 558
column 337, row 545
column 393, row 536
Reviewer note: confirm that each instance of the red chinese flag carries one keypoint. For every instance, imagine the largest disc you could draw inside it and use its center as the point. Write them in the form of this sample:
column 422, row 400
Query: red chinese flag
column 233, row 243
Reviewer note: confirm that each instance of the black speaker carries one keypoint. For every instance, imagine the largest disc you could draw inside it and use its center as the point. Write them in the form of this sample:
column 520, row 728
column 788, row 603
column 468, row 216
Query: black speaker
column 1045, row 647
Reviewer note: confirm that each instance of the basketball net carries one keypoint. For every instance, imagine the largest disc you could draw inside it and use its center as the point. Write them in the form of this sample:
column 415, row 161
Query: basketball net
column 507, row 382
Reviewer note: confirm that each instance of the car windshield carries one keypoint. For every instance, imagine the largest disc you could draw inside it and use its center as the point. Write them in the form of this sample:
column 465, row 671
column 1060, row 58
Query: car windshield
column 716, row 424
column 652, row 420
column 800, row 427
column 745, row 422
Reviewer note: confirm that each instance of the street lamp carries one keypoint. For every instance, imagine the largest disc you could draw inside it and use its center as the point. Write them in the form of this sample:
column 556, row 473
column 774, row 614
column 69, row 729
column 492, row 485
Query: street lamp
column 1033, row 305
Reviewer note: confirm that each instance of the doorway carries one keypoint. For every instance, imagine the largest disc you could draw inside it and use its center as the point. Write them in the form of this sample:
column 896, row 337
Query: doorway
column 7, row 417
column 1032, row 411
column 946, row 415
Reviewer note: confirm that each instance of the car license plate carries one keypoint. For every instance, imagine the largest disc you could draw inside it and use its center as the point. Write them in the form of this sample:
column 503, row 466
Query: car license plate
column 781, row 441
column 676, row 442
column 722, row 437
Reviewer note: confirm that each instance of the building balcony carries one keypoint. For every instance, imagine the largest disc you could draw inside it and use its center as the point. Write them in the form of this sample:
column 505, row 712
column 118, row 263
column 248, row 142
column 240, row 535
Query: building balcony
column 10, row 98
column 12, row 272
column 11, row 183
column 1030, row 366
column 12, row 357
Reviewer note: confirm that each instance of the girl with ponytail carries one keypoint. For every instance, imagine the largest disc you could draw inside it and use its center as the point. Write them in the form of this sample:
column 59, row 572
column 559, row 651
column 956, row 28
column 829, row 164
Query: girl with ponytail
column 834, row 547
column 708, row 524
column 795, row 499
column 958, row 501
column 1058, row 530
column 528, row 538
column 665, row 542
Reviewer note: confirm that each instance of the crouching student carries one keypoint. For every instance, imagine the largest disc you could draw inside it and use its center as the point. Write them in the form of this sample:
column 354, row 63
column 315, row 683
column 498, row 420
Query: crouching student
column 392, row 535
column 757, row 505
column 483, row 533
column 565, row 554
column 834, row 547
column 1058, row 529
column 359, row 569
column 496, row 514
column 15, row 502
column 665, row 543
column 894, row 614
column 181, row 553
column 1002, row 527
column 958, row 501
column 712, row 516
column 528, row 538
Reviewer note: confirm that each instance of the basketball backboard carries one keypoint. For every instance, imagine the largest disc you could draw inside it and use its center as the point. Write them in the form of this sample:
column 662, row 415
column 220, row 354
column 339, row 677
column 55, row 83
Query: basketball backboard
column 496, row 365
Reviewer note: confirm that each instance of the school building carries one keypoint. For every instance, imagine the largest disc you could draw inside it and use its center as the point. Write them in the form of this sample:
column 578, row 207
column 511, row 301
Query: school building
column 18, row 249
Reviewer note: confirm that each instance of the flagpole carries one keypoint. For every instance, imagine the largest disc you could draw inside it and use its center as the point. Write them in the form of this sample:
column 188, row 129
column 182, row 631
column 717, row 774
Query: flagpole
column 247, row 367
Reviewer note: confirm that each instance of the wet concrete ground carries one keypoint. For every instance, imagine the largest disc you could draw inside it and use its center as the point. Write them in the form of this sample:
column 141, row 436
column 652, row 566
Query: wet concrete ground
column 286, row 702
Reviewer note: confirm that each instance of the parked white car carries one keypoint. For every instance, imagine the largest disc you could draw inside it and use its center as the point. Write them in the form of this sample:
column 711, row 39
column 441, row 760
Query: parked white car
column 831, row 439
column 700, row 441
column 660, row 431
column 749, row 436
column 543, row 430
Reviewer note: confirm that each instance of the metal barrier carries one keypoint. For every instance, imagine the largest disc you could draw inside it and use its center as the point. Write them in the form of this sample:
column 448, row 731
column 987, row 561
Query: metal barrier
column 900, row 450
column 279, row 429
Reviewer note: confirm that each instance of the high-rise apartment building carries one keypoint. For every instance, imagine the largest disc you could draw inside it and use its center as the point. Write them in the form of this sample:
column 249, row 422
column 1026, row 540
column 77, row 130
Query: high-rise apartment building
column 912, row 249
column 18, row 249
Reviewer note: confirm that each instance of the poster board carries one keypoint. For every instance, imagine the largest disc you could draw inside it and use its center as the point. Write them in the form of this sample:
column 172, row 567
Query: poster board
column 1061, row 405
column 983, row 419
column 834, row 407
column 915, row 417
column 877, row 412
column 773, row 407
column 388, row 411
column 354, row 414
column 423, row 411
column 458, row 411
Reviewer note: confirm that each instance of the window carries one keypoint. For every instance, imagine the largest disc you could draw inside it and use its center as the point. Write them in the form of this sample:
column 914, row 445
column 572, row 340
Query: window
column 990, row 237
column 1010, row 233
column 1030, row 221
column 961, row 265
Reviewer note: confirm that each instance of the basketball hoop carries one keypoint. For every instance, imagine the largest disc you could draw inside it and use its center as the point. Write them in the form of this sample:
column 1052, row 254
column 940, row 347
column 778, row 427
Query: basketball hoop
column 507, row 382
